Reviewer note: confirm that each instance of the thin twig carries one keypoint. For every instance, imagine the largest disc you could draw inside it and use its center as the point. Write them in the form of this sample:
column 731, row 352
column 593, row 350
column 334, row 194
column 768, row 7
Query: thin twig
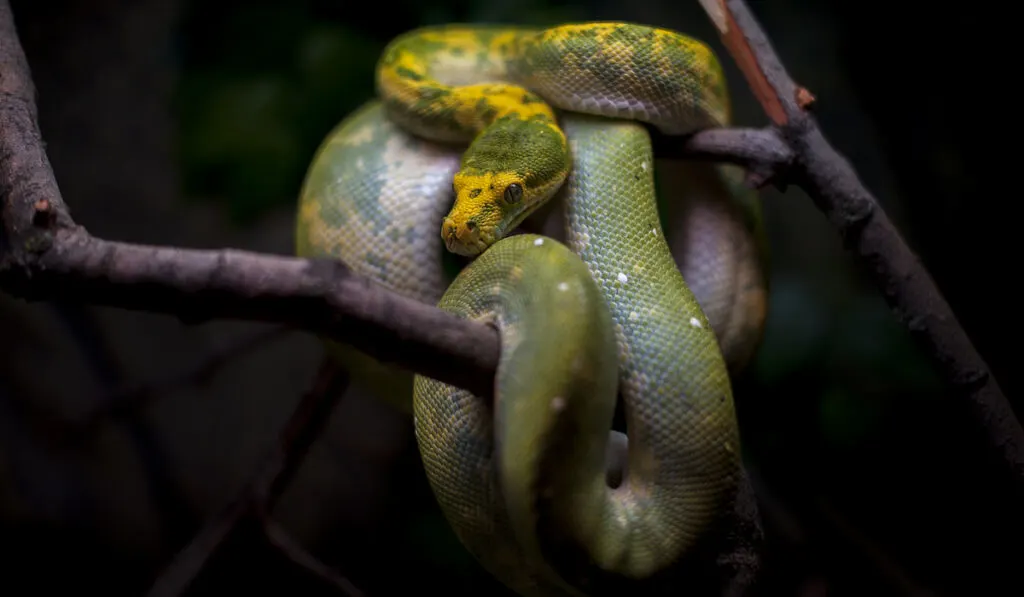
column 259, row 494
column 291, row 549
column 881, row 561
column 178, row 576
column 308, row 420
column 832, row 184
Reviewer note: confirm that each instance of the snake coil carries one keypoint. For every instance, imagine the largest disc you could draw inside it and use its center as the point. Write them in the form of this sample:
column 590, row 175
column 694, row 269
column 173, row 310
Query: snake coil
column 503, row 119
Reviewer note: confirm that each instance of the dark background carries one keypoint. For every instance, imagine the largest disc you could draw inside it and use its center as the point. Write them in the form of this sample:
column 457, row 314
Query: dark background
column 191, row 123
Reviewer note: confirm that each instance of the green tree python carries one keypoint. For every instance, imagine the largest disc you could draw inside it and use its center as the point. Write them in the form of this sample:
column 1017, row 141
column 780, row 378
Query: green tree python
column 502, row 119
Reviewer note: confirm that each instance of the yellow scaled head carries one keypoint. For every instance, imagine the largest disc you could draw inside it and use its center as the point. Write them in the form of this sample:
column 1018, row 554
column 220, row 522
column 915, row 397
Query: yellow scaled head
column 509, row 171
column 483, row 203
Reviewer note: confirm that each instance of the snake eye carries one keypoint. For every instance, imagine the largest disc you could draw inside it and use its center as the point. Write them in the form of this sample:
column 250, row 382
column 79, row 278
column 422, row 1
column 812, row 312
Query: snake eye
column 513, row 192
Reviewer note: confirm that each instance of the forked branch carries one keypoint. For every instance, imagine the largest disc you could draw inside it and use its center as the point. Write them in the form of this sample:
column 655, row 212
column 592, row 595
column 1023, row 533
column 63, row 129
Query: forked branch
column 833, row 185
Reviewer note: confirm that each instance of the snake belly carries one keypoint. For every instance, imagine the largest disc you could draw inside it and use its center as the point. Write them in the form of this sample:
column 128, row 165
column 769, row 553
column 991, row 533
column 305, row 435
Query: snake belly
column 523, row 483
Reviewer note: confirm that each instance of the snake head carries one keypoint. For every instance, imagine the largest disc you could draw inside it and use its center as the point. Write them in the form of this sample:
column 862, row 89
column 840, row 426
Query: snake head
column 509, row 170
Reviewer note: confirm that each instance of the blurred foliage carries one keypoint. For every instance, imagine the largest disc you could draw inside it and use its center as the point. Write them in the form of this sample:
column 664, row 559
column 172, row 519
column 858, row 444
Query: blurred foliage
column 259, row 97
column 262, row 83
column 849, row 360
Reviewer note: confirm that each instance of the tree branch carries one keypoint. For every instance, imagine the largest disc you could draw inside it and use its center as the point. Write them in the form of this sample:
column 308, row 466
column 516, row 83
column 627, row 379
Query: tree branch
column 253, row 504
column 830, row 181
column 762, row 152
column 25, row 173
column 321, row 296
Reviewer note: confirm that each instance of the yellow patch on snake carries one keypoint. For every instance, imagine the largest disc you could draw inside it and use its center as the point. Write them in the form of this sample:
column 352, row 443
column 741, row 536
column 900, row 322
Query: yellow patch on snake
column 309, row 213
column 504, row 99
column 479, row 204
column 501, row 43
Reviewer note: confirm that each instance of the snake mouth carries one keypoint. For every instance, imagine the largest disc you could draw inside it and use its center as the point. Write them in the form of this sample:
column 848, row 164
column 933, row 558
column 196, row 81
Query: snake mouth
column 474, row 244
column 486, row 238
column 467, row 248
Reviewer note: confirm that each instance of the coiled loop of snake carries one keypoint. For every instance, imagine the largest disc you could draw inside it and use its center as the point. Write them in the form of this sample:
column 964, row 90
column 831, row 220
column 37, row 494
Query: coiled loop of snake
column 524, row 484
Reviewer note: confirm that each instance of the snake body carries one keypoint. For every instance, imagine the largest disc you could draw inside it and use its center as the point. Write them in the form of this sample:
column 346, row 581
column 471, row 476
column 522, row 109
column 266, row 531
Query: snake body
column 505, row 118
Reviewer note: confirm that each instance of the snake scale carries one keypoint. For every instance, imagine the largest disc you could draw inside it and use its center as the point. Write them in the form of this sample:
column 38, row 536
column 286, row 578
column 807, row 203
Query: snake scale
column 474, row 129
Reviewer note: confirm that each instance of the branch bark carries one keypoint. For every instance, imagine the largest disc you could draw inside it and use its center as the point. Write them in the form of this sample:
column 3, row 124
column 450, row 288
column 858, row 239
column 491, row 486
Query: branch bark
column 830, row 181
column 320, row 296
column 25, row 173
column 764, row 154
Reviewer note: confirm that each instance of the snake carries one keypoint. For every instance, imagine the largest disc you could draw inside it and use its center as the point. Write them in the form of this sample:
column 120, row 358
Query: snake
column 476, row 129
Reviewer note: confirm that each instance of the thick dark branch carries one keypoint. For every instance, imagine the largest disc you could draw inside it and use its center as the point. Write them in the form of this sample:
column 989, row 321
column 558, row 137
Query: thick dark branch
column 25, row 173
column 44, row 255
column 320, row 296
column 832, row 184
